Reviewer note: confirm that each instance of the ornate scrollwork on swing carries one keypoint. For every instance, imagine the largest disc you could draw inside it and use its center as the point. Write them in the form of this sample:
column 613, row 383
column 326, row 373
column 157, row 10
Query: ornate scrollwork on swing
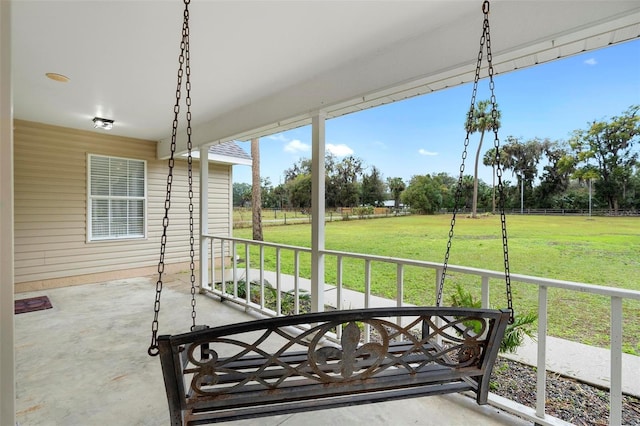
column 278, row 357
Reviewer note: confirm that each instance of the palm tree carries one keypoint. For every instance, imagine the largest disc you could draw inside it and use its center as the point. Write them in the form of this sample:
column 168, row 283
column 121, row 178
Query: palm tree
column 480, row 120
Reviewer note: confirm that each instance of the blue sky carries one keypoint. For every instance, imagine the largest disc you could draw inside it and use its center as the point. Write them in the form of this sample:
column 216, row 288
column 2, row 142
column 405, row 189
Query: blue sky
column 425, row 134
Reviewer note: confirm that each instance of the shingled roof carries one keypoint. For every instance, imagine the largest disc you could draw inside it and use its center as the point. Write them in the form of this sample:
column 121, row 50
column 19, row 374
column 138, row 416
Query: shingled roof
column 229, row 152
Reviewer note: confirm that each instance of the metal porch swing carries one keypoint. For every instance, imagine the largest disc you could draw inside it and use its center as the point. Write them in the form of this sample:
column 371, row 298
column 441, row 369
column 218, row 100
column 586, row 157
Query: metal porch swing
column 301, row 362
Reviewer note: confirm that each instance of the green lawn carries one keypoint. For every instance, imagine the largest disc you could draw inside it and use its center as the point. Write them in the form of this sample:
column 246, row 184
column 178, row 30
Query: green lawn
column 601, row 251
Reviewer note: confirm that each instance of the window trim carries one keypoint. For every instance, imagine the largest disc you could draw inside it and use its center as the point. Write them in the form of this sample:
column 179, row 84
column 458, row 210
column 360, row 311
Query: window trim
column 89, row 217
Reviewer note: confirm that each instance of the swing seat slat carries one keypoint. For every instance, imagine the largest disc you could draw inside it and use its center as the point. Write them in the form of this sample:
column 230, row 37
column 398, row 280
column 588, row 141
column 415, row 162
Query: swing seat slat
column 297, row 363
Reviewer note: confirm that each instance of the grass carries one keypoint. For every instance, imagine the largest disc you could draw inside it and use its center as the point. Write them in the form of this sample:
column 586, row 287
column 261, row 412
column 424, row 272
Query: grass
column 601, row 251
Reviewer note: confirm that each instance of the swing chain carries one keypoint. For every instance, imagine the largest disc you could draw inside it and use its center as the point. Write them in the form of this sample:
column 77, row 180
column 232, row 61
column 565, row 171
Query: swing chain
column 484, row 39
column 496, row 144
column 184, row 64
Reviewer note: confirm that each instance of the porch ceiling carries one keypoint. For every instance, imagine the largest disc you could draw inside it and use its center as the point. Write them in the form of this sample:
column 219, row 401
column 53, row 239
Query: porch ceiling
column 259, row 67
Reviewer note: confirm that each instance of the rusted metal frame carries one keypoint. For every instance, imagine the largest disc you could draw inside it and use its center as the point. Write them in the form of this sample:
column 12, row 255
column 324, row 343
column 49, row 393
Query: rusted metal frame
column 305, row 390
column 255, row 411
column 317, row 317
column 498, row 328
column 172, row 373
column 391, row 383
column 398, row 357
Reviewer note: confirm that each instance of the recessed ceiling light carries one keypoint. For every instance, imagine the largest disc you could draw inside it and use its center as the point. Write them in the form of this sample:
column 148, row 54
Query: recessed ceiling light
column 102, row 123
column 57, row 77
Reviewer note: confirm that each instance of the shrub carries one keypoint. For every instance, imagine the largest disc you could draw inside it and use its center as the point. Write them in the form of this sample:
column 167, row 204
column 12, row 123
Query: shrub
column 514, row 334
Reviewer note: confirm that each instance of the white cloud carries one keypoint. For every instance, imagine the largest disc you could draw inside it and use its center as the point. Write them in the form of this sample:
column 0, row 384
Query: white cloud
column 428, row 153
column 278, row 137
column 591, row 61
column 340, row 150
column 297, row 146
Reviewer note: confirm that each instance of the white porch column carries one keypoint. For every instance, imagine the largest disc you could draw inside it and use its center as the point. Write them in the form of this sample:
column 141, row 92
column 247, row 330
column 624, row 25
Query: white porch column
column 7, row 355
column 204, row 217
column 317, row 212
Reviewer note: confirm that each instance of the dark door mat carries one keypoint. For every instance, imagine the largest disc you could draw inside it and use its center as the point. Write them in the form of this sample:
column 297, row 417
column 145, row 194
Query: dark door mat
column 32, row 304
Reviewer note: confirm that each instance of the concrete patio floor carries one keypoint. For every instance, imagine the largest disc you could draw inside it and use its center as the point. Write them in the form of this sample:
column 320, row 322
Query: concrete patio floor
column 85, row 362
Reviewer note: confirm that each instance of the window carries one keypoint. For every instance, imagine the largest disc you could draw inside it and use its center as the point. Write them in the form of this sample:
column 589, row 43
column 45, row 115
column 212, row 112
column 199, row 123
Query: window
column 117, row 198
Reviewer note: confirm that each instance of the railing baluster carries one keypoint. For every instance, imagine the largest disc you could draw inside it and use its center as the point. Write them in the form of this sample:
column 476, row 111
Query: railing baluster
column 212, row 270
column 278, row 283
column 235, row 269
column 615, row 393
column 247, row 274
column 485, row 292
column 399, row 289
column 541, row 373
column 223, row 268
column 438, row 320
column 339, row 282
column 296, row 282
column 367, row 297
column 339, row 291
column 261, row 276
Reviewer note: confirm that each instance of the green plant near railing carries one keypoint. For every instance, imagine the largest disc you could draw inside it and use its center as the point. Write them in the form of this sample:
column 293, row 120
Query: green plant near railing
column 287, row 298
column 523, row 325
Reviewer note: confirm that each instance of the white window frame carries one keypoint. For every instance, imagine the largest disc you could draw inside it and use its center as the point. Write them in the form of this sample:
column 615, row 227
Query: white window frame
column 113, row 236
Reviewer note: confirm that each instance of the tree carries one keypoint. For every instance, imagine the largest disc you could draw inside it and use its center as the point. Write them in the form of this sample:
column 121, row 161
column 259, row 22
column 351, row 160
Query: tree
column 396, row 186
column 556, row 174
column 343, row 183
column 522, row 158
column 299, row 191
column 612, row 147
column 256, row 190
column 633, row 193
column 241, row 194
column 469, row 191
column 481, row 120
column 280, row 196
column 423, row 194
column 270, row 199
column 448, row 186
column 373, row 189
column 303, row 166
column 489, row 159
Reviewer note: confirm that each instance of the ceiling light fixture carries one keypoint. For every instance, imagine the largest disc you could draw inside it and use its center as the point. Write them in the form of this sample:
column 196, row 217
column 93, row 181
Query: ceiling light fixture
column 102, row 123
column 57, row 77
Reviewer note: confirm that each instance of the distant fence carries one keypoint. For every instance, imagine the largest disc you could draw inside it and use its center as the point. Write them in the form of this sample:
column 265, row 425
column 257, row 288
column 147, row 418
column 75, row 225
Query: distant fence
column 575, row 212
column 555, row 212
column 273, row 217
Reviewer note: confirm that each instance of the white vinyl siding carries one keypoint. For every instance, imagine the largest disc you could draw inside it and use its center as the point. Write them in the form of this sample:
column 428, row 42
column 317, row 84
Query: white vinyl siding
column 117, row 198
column 51, row 208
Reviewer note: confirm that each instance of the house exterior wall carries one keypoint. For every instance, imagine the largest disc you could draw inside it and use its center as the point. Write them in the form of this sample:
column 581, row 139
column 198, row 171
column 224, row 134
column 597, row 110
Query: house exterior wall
column 51, row 244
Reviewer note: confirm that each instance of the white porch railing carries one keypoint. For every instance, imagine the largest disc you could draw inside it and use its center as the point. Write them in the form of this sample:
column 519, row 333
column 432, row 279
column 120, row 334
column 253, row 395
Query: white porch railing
column 226, row 283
